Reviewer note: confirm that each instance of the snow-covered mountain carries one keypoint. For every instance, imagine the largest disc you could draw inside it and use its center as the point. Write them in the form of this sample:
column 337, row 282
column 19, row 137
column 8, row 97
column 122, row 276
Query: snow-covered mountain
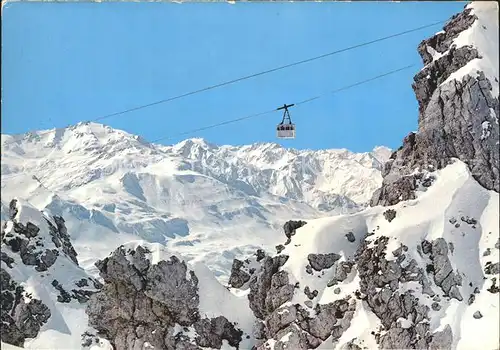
column 419, row 269
column 112, row 187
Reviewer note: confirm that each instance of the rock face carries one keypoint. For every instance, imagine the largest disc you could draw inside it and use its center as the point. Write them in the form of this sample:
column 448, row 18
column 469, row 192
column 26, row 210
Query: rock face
column 458, row 118
column 444, row 276
column 38, row 247
column 292, row 325
column 21, row 315
column 380, row 279
column 143, row 303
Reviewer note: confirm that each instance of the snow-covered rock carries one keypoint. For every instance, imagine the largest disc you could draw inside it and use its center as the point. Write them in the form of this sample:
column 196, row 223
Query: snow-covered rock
column 414, row 282
column 44, row 291
column 457, row 92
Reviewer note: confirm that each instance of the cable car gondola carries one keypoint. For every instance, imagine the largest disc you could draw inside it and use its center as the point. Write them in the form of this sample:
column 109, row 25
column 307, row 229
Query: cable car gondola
column 285, row 129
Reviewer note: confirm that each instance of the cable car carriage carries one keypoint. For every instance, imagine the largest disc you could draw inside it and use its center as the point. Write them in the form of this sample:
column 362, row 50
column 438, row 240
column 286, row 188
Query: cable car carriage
column 285, row 129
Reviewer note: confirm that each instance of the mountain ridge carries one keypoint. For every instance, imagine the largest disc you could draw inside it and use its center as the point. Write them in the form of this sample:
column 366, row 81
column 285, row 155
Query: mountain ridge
column 106, row 180
column 417, row 269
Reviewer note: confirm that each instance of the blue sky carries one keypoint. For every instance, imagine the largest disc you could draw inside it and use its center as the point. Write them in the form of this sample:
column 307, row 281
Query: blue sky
column 68, row 62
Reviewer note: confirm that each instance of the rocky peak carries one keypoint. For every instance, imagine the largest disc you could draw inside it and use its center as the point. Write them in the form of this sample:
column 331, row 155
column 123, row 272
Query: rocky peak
column 457, row 93
column 37, row 245
column 153, row 304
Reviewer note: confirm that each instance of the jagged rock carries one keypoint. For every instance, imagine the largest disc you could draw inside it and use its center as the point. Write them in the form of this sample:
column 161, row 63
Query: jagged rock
column 29, row 245
column 259, row 330
column 441, row 41
column 7, row 259
column 444, row 131
column 442, row 340
column 426, row 247
column 455, row 293
column 390, row 214
column 322, row 325
column 492, row 269
column 88, row 339
column 61, row 238
column 471, row 299
column 337, row 290
column 497, row 244
column 238, row 277
column 378, row 278
column 64, row 296
column 309, row 294
column 487, row 252
column 444, row 276
column 493, row 288
column 23, row 316
column 280, row 319
column 141, row 302
column 396, row 338
column 267, row 292
column 261, row 254
column 468, row 220
column 342, row 325
column 81, row 283
column 13, row 209
column 342, row 269
column 20, row 319
column 270, row 290
column 82, row 296
column 322, row 261
column 290, row 226
column 280, row 248
column 477, row 315
column 350, row 237
column 212, row 332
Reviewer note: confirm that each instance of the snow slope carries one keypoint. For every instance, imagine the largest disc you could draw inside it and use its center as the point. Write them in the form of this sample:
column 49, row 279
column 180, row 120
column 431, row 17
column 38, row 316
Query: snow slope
column 67, row 319
column 482, row 35
column 112, row 187
column 455, row 194
column 453, row 198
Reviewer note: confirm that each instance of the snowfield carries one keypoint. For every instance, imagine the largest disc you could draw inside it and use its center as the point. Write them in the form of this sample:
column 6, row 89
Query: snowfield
column 199, row 199
column 454, row 194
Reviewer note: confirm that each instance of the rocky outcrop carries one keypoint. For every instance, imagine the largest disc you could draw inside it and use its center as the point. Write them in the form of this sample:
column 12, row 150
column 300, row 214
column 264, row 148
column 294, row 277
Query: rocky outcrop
column 40, row 248
column 158, row 304
column 405, row 320
column 25, row 240
column 270, row 287
column 444, row 276
column 290, row 228
column 22, row 316
column 295, row 326
column 457, row 119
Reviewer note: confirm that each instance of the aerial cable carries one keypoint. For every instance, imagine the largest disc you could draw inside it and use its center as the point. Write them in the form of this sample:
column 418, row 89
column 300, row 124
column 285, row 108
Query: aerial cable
column 270, row 70
column 296, row 104
column 265, row 112
column 258, row 74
